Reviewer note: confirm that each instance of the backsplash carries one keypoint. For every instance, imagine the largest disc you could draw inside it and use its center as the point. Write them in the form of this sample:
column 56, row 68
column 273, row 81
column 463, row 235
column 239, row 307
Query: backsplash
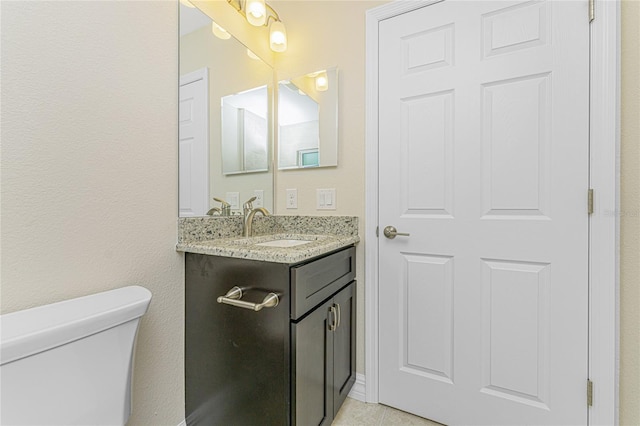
column 194, row 229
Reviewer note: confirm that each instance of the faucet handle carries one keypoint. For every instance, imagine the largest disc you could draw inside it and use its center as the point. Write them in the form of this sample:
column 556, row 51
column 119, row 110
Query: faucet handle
column 225, row 208
column 221, row 201
column 248, row 205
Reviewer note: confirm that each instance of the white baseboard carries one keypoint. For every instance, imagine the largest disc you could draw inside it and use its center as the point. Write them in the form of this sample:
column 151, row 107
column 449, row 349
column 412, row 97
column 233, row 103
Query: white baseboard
column 358, row 389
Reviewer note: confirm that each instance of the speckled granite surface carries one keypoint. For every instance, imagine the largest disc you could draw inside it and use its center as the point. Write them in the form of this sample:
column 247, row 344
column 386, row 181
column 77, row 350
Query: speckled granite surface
column 222, row 236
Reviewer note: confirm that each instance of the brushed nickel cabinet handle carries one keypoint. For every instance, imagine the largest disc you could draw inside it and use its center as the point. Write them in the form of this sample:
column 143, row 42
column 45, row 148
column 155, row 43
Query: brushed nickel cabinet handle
column 333, row 323
column 234, row 295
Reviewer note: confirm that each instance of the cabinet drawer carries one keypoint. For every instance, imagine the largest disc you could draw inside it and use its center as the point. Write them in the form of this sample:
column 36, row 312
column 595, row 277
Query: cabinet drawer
column 316, row 281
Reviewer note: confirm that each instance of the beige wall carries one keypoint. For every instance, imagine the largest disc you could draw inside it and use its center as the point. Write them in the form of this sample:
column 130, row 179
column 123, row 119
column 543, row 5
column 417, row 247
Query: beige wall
column 89, row 171
column 630, row 217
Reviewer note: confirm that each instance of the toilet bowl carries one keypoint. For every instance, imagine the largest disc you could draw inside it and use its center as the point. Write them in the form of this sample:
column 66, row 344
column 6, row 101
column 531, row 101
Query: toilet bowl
column 70, row 363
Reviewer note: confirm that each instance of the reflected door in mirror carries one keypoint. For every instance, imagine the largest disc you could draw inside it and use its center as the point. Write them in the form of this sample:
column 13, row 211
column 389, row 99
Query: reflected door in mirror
column 194, row 144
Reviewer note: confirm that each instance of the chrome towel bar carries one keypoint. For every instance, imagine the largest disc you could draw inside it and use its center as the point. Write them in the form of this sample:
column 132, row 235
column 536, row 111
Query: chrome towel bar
column 234, row 295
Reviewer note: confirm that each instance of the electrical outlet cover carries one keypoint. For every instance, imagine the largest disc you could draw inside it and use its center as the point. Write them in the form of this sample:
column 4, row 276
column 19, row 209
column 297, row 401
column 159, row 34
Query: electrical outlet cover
column 233, row 198
column 259, row 194
column 292, row 198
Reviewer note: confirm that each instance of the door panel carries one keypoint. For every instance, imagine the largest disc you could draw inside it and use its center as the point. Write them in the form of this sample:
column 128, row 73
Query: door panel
column 427, row 312
column 483, row 144
column 194, row 144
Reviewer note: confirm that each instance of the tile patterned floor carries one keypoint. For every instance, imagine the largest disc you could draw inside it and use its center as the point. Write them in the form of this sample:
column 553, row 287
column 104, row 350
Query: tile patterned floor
column 356, row 413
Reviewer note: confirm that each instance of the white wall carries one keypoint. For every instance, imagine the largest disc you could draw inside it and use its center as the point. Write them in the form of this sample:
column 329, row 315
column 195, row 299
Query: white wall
column 89, row 171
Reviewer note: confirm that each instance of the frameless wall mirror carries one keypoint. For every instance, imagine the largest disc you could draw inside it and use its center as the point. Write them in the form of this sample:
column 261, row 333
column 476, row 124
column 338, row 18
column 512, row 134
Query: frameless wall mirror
column 225, row 119
column 308, row 120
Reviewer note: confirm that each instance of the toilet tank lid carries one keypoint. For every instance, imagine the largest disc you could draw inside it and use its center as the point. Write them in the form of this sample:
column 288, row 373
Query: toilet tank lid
column 34, row 330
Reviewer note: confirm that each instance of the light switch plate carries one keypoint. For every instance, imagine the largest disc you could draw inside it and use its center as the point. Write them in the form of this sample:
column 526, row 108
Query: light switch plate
column 326, row 199
column 292, row 198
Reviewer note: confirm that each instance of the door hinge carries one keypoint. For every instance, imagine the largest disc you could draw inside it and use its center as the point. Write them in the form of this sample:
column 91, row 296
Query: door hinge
column 592, row 10
column 377, row 231
column 590, row 201
column 589, row 393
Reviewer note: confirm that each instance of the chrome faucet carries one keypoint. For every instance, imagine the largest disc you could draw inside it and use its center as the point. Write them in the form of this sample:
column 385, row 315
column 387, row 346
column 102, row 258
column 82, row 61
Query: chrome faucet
column 249, row 213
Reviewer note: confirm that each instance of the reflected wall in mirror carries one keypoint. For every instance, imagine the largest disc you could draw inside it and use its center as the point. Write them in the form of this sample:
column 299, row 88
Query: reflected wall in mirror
column 245, row 134
column 308, row 120
column 225, row 121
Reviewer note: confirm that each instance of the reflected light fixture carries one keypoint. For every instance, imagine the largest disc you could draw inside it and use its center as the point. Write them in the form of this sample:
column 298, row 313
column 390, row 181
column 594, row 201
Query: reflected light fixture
column 322, row 81
column 219, row 32
column 259, row 13
column 278, row 36
column 187, row 3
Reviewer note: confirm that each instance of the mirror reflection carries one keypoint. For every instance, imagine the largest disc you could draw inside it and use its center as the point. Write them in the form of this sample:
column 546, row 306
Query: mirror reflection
column 308, row 120
column 245, row 134
column 225, row 121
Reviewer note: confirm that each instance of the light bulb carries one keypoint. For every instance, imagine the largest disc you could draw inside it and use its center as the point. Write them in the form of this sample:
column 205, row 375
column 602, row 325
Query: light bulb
column 322, row 82
column 187, row 3
column 278, row 36
column 219, row 32
column 256, row 12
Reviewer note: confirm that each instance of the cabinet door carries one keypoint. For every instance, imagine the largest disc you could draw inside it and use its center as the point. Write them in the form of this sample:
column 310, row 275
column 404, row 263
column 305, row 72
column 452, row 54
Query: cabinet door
column 344, row 345
column 312, row 365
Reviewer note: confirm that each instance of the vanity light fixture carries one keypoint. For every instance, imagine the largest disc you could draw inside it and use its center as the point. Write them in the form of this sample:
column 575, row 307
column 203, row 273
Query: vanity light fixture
column 259, row 13
column 219, row 32
column 256, row 12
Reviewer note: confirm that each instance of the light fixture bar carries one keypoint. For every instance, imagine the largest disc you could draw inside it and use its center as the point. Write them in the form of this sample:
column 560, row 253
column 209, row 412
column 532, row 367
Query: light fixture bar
column 260, row 13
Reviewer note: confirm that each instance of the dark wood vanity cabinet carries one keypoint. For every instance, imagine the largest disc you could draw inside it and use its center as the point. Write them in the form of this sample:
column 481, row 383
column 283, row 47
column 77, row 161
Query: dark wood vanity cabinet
column 292, row 364
column 323, row 359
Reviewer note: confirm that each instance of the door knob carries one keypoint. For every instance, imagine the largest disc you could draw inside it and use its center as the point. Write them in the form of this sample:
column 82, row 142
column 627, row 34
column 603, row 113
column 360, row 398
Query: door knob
column 391, row 232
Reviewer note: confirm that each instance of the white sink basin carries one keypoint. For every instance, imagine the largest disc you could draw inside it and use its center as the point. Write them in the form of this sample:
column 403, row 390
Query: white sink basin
column 283, row 243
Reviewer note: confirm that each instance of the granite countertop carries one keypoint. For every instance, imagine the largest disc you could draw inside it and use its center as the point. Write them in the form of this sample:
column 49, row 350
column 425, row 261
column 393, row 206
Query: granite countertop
column 247, row 248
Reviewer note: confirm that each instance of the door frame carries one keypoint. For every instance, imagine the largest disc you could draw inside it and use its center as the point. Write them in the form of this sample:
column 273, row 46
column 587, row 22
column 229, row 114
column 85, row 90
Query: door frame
column 604, row 223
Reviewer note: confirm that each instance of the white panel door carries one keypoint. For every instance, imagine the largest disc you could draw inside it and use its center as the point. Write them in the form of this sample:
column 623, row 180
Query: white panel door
column 484, row 144
column 194, row 144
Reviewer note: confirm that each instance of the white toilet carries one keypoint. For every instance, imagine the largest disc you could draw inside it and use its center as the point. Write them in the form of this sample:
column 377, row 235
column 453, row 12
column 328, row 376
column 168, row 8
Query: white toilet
column 70, row 363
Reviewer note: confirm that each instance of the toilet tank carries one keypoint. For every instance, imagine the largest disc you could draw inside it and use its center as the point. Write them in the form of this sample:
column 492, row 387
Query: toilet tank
column 70, row 363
